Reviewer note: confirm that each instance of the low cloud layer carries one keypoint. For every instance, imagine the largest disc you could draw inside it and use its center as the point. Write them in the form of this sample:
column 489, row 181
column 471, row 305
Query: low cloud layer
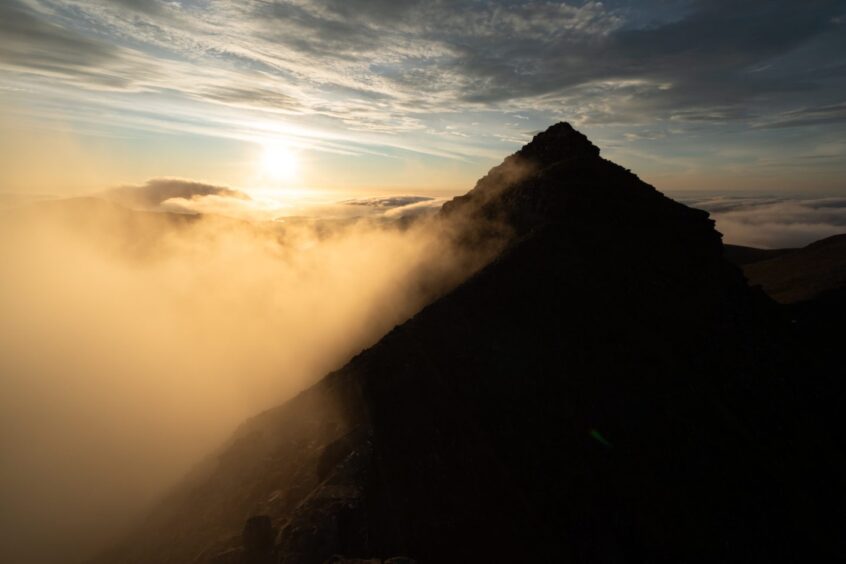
column 153, row 194
column 388, row 202
column 132, row 343
column 190, row 197
column 772, row 223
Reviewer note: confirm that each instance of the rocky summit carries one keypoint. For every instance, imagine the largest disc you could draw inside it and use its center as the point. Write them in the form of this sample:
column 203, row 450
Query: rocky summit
column 608, row 389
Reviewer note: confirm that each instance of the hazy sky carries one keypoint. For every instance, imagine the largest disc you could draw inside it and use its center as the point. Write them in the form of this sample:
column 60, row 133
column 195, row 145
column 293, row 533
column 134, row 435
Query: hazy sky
column 379, row 95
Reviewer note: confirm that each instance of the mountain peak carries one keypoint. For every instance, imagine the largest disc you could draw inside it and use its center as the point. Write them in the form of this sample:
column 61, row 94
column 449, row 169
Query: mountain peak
column 607, row 389
column 559, row 176
column 558, row 142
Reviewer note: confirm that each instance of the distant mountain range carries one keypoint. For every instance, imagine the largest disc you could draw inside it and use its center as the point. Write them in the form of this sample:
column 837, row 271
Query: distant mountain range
column 608, row 389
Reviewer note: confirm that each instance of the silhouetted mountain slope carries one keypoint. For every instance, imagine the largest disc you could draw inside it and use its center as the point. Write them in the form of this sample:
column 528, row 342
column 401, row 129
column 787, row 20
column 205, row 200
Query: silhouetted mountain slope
column 804, row 273
column 741, row 256
column 608, row 389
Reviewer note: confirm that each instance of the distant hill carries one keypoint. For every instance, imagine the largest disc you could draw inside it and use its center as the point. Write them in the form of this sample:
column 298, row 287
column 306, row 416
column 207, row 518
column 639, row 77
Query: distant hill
column 608, row 389
column 801, row 274
column 741, row 255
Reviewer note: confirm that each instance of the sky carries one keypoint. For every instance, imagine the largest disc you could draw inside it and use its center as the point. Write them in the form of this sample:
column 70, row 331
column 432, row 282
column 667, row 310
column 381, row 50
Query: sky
column 423, row 97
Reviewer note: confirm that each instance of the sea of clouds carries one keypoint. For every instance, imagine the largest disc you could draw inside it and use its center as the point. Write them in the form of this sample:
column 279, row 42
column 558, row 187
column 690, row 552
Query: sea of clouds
column 773, row 222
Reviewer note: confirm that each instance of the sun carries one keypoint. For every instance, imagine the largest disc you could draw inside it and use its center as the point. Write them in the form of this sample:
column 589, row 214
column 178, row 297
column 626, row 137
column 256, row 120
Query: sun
column 279, row 162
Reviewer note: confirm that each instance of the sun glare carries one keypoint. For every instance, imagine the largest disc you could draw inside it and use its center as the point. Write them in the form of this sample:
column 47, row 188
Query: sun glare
column 278, row 162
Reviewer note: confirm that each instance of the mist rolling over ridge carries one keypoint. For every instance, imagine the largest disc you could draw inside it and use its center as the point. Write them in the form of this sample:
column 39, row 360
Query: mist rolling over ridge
column 608, row 384
column 415, row 282
column 133, row 343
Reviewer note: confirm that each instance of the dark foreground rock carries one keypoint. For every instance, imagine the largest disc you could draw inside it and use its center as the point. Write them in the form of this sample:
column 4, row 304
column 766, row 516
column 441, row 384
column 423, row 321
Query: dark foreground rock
column 609, row 389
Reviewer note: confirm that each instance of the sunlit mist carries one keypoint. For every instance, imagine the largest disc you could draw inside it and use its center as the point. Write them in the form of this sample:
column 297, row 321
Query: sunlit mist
column 133, row 342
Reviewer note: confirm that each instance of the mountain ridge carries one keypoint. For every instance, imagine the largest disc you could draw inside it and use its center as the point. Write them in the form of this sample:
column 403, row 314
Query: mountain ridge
column 607, row 389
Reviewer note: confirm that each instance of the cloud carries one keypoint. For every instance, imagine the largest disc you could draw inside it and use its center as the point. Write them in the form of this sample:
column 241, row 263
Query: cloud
column 417, row 209
column 149, row 6
column 256, row 96
column 158, row 191
column 31, row 43
column 13, row 200
column 397, row 70
column 387, row 202
column 827, row 114
column 192, row 197
column 396, row 207
column 772, row 223
column 132, row 344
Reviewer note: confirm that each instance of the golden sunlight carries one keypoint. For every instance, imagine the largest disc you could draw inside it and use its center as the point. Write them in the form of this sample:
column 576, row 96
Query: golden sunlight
column 279, row 162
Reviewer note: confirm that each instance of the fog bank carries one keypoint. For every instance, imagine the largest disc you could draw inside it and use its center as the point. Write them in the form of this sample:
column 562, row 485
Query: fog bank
column 132, row 343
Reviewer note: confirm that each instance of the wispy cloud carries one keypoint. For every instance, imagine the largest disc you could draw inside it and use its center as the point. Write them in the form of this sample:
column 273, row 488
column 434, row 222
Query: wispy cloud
column 661, row 85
